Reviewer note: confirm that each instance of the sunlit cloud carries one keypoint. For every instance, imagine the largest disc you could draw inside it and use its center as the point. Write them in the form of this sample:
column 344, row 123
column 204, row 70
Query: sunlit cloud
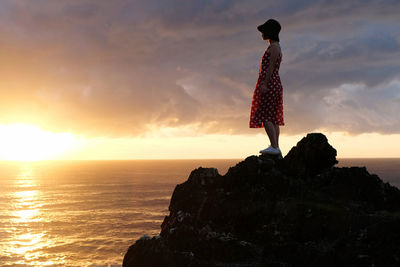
column 130, row 68
column 29, row 142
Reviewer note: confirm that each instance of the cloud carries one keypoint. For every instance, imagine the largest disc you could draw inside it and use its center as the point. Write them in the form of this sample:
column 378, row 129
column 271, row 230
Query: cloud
column 124, row 68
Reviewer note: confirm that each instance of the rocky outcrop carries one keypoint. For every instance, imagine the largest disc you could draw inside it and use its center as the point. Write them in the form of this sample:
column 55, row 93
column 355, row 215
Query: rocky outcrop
column 266, row 211
column 310, row 156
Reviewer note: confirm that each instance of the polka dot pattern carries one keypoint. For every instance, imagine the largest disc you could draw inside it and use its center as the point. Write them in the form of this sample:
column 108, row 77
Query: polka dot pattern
column 267, row 106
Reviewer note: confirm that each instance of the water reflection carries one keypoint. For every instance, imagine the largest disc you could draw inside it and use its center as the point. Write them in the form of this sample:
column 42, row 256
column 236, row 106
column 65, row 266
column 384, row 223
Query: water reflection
column 26, row 242
column 26, row 207
column 28, row 239
column 80, row 214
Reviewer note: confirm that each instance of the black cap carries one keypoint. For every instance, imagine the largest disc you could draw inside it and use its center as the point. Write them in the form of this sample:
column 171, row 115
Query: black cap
column 271, row 29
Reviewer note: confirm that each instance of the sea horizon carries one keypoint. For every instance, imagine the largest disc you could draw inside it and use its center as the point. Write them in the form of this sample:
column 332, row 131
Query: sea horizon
column 88, row 212
column 180, row 158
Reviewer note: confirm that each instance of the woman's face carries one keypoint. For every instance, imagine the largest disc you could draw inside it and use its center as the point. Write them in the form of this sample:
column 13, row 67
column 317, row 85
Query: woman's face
column 264, row 37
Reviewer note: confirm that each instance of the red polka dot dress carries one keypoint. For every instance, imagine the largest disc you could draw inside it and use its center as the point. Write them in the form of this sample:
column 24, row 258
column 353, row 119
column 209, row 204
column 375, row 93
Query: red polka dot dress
column 267, row 106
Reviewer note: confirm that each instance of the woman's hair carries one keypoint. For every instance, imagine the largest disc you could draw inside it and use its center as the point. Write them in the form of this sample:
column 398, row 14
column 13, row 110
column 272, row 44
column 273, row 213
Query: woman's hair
column 271, row 29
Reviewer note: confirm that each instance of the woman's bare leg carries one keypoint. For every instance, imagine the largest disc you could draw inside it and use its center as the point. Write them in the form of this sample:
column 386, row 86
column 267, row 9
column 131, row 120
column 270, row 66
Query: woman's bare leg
column 277, row 134
column 270, row 129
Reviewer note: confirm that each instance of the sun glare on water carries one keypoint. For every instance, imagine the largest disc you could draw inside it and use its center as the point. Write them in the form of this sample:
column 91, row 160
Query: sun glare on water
column 24, row 142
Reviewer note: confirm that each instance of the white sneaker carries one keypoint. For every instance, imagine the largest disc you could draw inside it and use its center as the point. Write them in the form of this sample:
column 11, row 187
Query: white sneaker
column 263, row 151
column 271, row 150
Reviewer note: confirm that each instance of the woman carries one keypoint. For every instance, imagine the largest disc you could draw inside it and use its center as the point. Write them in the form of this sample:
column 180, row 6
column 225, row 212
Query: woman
column 267, row 104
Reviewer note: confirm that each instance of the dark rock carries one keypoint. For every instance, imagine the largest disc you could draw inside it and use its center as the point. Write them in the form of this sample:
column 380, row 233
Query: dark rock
column 310, row 156
column 267, row 211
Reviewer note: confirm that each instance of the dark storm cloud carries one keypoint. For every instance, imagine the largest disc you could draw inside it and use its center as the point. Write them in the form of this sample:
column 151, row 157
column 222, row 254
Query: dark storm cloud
column 124, row 67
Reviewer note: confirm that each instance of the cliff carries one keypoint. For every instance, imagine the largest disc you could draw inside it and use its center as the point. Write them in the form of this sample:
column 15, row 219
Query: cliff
column 266, row 211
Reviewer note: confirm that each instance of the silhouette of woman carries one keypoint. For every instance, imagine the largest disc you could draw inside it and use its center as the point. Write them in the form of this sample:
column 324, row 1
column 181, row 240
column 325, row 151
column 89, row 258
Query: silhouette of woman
column 267, row 103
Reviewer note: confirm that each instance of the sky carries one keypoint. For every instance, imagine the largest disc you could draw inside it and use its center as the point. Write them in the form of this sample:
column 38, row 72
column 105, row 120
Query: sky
column 175, row 79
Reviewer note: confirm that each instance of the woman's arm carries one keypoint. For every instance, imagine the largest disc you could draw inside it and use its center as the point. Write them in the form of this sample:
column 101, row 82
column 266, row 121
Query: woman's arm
column 275, row 51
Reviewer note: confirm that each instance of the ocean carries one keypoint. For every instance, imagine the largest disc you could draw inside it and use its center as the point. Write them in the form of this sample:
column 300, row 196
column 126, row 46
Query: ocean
column 87, row 213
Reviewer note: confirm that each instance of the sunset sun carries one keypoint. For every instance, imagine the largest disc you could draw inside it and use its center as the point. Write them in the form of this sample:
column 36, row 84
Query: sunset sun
column 26, row 142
